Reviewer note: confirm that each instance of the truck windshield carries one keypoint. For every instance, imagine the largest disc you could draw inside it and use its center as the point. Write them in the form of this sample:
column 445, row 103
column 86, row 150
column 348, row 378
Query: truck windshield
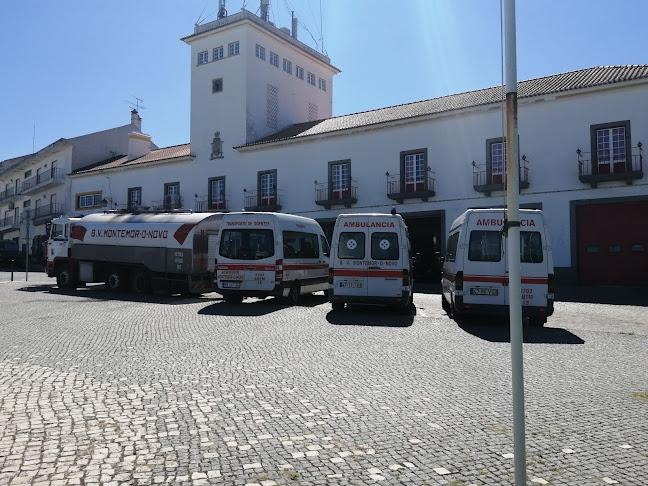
column 58, row 231
column 247, row 244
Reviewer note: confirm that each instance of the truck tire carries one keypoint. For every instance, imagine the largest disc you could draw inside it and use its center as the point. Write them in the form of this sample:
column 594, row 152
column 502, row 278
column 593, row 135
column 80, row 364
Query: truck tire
column 64, row 277
column 140, row 282
column 337, row 306
column 115, row 280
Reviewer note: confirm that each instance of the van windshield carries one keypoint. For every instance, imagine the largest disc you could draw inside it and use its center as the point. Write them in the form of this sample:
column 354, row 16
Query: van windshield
column 247, row 244
column 351, row 245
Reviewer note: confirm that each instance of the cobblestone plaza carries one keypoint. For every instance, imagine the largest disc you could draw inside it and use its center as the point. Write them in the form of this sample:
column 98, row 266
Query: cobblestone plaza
column 108, row 389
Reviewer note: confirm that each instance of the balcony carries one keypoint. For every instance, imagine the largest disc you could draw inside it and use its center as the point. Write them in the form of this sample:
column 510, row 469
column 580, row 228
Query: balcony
column 44, row 214
column 400, row 189
column 485, row 181
column 256, row 201
column 11, row 195
column 327, row 196
column 204, row 204
column 47, row 179
column 169, row 203
column 10, row 223
column 608, row 168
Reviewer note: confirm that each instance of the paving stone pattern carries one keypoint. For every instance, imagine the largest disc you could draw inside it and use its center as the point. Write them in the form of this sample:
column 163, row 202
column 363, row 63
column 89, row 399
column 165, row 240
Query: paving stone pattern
column 100, row 388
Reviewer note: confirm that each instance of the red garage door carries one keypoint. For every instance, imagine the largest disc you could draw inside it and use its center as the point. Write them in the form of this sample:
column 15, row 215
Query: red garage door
column 613, row 243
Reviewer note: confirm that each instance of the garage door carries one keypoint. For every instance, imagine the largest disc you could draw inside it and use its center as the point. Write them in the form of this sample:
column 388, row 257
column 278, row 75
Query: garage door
column 612, row 243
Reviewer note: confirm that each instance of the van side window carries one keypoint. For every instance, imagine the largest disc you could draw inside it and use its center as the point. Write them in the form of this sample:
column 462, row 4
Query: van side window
column 351, row 245
column 451, row 247
column 384, row 246
column 300, row 245
column 326, row 250
column 530, row 247
column 485, row 246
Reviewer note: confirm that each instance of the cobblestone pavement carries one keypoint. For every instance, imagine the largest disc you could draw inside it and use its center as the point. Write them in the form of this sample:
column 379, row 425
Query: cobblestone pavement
column 108, row 389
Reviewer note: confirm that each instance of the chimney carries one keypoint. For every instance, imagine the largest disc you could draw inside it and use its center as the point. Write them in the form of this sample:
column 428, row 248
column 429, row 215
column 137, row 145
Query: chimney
column 139, row 144
column 136, row 120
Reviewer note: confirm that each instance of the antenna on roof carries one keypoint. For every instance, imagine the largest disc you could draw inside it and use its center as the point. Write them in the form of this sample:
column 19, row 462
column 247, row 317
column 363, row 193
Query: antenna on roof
column 137, row 104
column 222, row 12
column 264, row 9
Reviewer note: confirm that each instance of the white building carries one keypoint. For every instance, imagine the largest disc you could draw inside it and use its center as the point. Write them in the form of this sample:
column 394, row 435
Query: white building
column 35, row 188
column 262, row 138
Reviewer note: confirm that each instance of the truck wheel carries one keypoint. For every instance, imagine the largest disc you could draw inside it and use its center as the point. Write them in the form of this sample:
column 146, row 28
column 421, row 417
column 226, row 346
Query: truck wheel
column 115, row 280
column 64, row 277
column 140, row 283
column 294, row 294
column 337, row 306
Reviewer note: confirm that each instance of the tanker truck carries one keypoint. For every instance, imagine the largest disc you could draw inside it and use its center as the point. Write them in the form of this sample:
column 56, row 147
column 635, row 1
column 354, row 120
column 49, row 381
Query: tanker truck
column 135, row 251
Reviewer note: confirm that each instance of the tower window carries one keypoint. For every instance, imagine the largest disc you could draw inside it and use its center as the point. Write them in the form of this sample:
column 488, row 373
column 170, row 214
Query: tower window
column 217, row 85
column 274, row 59
column 203, row 57
column 287, row 66
column 311, row 79
column 299, row 72
column 233, row 49
column 322, row 84
column 260, row 52
column 218, row 53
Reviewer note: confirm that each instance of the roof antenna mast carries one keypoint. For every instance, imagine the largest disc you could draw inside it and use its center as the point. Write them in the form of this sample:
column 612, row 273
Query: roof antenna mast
column 222, row 12
column 264, row 9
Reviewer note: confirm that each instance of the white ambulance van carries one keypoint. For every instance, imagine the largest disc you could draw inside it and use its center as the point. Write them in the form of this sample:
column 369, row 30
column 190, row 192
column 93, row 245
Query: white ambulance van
column 475, row 269
column 270, row 254
column 370, row 261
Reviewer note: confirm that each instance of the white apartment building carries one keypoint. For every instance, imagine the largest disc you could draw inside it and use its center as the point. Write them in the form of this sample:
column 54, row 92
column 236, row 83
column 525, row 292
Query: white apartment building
column 262, row 138
column 35, row 188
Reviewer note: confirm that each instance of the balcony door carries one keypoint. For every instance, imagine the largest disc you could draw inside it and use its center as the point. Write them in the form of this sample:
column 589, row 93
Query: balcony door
column 268, row 193
column 611, row 150
column 415, row 172
column 217, row 191
column 498, row 162
column 340, row 181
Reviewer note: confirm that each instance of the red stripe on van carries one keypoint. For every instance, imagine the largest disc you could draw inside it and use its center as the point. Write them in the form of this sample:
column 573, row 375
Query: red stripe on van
column 242, row 266
column 337, row 272
column 499, row 279
column 305, row 266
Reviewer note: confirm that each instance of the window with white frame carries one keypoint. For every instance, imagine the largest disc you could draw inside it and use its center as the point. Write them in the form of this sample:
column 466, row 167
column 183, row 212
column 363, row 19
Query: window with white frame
column 274, row 59
column 299, row 72
column 611, row 148
column 268, row 188
column 322, row 84
column 233, row 49
column 203, row 57
column 217, row 193
column 134, row 197
column 218, row 53
column 414, row 168
column 340, row 177
column 260, row 52
column 287, row 66
column 310, row 78
column 497, row 161
column 86, row 201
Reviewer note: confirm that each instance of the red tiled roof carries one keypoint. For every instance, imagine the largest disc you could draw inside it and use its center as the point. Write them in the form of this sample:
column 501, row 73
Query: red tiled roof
column 163, row 154
column 584, row 78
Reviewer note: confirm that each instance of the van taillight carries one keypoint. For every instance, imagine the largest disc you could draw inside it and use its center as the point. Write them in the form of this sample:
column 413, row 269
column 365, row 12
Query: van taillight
column 406, row 277
column 279, row 270
column 330, row 275
column 459, row 281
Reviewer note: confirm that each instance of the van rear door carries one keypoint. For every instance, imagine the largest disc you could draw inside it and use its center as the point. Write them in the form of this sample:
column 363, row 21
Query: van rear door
column 350, row 272
column 246, row 255
column 534, row 261
column 385, row 267
column 485, row 277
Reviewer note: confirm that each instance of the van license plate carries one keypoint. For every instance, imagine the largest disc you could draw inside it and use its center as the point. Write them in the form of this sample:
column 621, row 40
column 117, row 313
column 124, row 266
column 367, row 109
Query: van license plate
column 483, row 291
column 351, row 285
column 231, row 285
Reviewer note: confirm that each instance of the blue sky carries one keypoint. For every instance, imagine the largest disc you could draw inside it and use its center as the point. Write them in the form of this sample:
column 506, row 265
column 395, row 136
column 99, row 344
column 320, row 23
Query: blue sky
column 71, row 67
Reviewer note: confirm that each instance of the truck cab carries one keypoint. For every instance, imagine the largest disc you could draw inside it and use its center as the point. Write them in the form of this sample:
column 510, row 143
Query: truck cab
column 59, row 242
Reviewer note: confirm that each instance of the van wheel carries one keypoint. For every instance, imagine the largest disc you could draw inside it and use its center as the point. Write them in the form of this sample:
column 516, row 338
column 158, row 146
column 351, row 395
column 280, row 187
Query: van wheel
column 140, row 282
column 294, row 294
column 537, row 321
column 64, row 277
column 233, row 299
column 115, row 280
column 337, row 306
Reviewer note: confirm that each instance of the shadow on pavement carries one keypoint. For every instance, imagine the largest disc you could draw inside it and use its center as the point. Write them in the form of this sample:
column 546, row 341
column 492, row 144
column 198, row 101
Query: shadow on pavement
column 371, row 315
column 615, row 295
column 498, row 331
column 259, row 307
column 427, row 287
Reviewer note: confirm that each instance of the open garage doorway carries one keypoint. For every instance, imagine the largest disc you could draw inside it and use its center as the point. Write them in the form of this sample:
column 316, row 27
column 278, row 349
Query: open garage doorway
column 426, row 232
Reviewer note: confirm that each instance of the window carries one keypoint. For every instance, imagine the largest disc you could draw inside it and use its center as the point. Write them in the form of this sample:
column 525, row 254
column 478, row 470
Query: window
column 172, row 198
column 351, row 245
column 134, row 197
column 203, row 57
column 485, row 246
column 85, row 201
column 496, row 165
column 326, row 250
column 218, row 53
column 247, row 244
column 260, row 52
column 217, row 193
column 297, row 244
column 414, row 169
column 299, row 72
column 28, row 174
column 531, row 247
column 287, row 66
column 384, row 246
column 268, row 188
column 340, row 177
column 310, row 78
column 217, row 85
column 322, row 84
column 274, row 59
column 233, row 49
column 611, row 147
column 451, row 247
